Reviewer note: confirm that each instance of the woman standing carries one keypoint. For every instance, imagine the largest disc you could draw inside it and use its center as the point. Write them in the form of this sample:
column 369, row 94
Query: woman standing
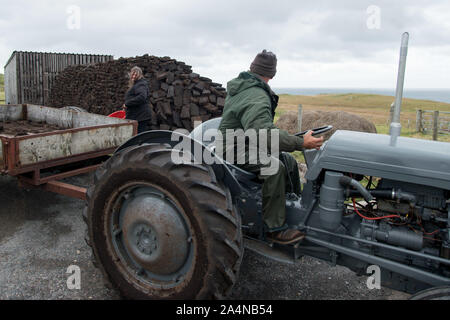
column 137, row 100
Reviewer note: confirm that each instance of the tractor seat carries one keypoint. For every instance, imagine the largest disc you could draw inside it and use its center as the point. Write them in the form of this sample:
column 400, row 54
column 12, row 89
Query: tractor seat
column 199, row 134
column 238, row 172
column 235, row 170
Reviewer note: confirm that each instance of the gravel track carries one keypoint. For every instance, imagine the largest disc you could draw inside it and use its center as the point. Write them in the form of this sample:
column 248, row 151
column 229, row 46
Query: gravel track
column 42, row 234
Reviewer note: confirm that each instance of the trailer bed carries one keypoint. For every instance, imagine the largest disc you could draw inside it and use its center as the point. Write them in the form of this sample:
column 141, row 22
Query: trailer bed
column 70, row 138
column 25, row 127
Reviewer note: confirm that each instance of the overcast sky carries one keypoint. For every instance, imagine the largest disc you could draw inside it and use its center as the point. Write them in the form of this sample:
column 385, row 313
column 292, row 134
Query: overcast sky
column 318, row 43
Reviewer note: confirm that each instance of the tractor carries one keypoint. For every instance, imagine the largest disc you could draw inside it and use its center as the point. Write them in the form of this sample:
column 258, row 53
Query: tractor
column 166, row 229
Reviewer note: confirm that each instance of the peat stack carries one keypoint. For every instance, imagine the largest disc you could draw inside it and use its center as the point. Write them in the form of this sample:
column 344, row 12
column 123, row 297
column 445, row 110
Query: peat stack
column 178, row 96
column 340, row 120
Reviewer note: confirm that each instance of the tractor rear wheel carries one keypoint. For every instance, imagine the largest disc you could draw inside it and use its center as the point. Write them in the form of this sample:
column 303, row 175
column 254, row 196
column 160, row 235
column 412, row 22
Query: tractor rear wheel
column 161, row 230
column 435, row 293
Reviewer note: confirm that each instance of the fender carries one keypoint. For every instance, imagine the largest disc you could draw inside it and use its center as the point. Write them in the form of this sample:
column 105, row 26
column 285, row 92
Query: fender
column 173, row 138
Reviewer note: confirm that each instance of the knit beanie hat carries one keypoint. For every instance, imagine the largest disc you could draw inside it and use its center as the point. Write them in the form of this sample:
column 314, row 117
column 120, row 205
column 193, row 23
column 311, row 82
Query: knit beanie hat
column 265, row 64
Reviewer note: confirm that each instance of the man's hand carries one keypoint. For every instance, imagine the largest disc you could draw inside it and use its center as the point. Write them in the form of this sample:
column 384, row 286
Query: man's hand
column 124, row 107
column 309, row 142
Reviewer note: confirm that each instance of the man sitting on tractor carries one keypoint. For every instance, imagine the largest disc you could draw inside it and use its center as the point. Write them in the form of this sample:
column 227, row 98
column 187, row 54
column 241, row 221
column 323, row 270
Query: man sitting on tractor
column 250, row 105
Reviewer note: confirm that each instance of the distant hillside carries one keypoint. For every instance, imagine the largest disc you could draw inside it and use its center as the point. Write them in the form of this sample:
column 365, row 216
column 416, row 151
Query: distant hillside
column 372, row 107
column 360, row 101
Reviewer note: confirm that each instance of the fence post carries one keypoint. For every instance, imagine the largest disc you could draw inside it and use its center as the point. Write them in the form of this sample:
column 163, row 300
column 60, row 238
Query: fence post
column 391, row 112
column 419, row 126
column 435, row 124
column 300, row 117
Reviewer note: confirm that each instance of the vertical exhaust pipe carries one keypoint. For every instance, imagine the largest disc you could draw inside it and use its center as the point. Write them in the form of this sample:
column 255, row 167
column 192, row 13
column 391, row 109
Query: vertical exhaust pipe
column 396, row 127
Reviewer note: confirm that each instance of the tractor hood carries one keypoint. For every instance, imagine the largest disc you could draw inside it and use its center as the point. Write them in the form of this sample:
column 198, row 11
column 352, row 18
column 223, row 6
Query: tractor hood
column 411, row 160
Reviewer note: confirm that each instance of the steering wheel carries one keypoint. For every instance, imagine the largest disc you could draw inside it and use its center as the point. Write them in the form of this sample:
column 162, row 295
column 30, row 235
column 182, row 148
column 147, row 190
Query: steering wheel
column 316, row 131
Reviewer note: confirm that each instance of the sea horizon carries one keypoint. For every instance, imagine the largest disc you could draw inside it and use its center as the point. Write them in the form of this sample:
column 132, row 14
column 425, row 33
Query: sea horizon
column 439, row 95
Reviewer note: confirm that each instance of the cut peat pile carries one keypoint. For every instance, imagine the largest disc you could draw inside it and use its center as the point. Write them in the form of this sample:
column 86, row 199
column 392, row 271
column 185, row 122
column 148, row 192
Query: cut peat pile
column 25, row 127
column 340, row 120
column 178, row 96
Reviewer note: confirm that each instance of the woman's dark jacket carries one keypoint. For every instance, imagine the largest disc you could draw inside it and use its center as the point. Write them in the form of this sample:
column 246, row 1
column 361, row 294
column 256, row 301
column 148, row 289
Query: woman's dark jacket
column 137, row 101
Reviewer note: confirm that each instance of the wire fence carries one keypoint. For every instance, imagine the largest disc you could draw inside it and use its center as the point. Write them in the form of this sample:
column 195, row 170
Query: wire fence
column 433, row 121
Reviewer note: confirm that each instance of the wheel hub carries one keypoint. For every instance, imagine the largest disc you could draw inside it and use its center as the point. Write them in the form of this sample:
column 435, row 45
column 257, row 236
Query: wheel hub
column 154, row 233
column 146, row 240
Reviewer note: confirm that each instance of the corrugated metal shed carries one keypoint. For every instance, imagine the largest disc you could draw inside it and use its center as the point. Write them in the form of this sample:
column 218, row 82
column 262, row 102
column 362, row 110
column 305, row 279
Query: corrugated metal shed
column 29, row 76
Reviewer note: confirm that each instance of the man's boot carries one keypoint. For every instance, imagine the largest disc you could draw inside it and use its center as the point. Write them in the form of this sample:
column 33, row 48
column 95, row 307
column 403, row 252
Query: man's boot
column 286, row 236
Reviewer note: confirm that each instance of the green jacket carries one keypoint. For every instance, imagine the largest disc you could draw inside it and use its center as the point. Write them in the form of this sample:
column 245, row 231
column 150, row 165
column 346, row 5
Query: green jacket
column 251, row 104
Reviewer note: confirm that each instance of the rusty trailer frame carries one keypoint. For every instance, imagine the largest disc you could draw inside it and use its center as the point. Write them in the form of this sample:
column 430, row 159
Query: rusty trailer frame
column 38, row 174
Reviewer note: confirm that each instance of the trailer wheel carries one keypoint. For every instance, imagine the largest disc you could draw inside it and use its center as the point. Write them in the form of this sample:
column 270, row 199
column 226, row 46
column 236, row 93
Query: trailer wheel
column 161, row 230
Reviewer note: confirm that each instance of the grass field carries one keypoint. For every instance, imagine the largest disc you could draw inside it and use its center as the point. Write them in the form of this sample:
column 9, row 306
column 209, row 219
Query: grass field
column 370, row 106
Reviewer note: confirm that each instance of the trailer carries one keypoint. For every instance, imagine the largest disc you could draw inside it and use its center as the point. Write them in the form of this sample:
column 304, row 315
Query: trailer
column 81, row 142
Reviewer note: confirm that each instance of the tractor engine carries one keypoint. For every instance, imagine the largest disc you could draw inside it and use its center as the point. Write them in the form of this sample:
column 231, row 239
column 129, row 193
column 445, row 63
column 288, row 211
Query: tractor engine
column 372, row 203
column 420, row 217
column 397, row 213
